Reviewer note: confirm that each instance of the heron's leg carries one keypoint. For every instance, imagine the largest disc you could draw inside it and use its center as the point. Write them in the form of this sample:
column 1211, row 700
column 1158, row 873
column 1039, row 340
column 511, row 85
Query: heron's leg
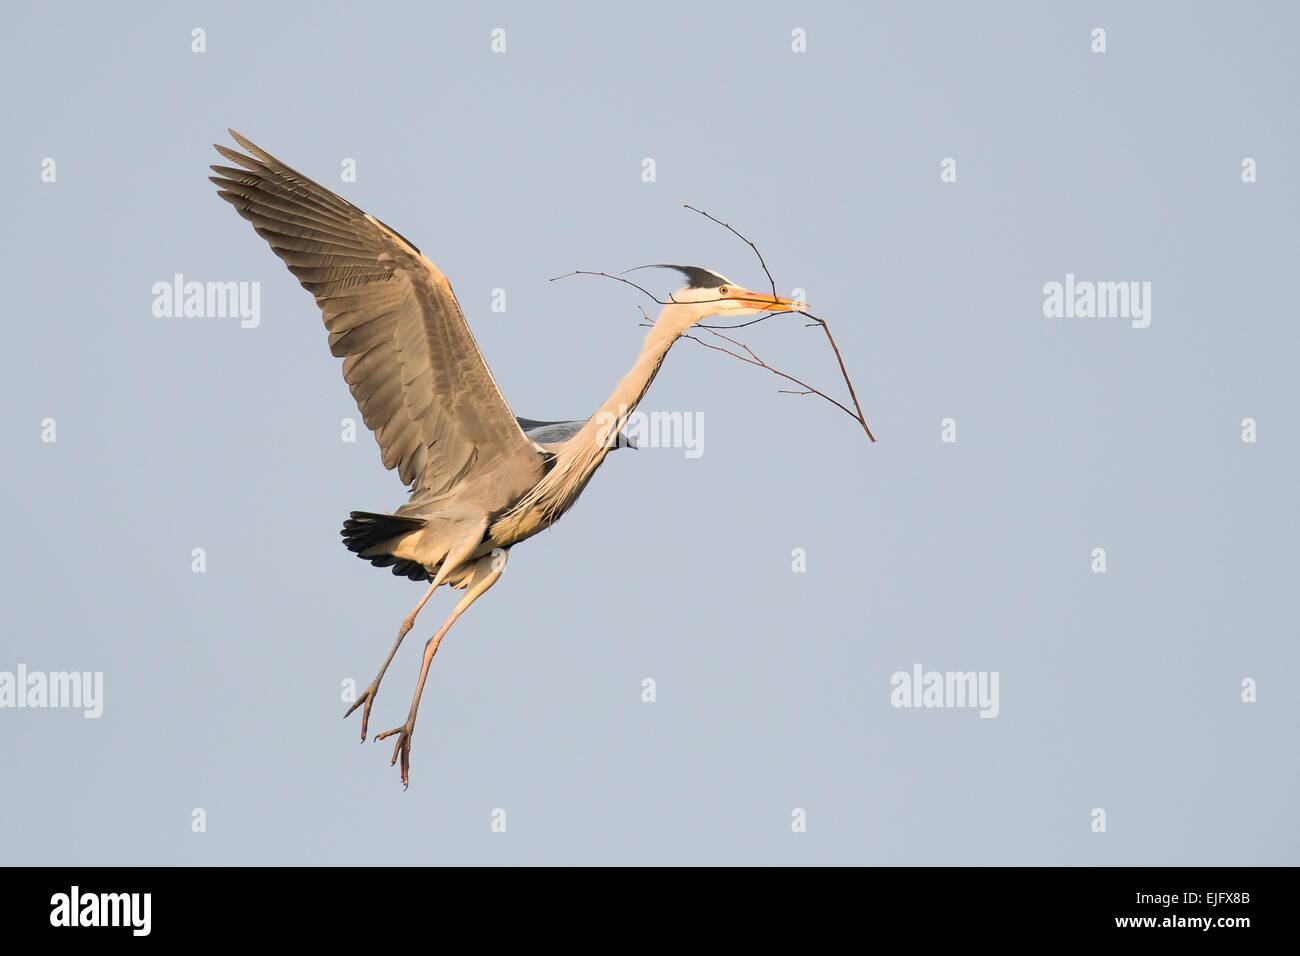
column 368, row 695
column 486, row 572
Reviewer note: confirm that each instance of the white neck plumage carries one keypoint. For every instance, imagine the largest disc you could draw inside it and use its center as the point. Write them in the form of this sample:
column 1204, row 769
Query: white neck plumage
column 579, row 457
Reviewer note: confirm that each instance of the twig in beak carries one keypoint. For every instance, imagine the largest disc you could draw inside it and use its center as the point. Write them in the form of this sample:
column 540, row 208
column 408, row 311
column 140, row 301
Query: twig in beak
column 856, row 415
column 750, row 358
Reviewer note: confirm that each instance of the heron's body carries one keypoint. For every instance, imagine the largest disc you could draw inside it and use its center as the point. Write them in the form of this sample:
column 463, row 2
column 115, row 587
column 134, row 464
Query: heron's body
column 480, row 479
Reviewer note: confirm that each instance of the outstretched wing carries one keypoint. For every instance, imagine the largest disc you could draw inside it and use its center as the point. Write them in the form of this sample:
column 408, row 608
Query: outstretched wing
column 408, row 355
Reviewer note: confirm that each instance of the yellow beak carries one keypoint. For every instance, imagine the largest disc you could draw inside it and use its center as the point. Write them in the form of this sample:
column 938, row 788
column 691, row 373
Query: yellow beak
column 764, row 300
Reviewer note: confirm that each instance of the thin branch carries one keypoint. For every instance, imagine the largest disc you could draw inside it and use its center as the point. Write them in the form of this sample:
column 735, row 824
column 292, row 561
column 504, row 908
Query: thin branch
column 741, row 325
column 753, row 359
column 585, row 272
column 761, row 261
column 843, row 371
column 670, row 300
column 734, row 232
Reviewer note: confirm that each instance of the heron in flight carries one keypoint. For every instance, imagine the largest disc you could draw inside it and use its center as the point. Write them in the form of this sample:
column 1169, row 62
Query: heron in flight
column 480, row 479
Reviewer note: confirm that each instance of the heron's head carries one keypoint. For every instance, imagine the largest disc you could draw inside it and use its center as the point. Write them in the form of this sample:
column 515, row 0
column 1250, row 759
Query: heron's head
column 707, row 293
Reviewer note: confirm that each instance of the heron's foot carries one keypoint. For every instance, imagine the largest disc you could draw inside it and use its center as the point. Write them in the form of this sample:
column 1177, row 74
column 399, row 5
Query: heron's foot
column 367, row 698
column 402, row 748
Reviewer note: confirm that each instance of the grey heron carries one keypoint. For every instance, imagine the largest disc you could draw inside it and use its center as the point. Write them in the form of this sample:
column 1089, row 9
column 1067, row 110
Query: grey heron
column 480, row 480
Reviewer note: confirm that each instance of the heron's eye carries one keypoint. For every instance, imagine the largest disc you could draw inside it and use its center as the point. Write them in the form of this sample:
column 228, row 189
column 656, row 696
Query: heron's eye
column 723, row 290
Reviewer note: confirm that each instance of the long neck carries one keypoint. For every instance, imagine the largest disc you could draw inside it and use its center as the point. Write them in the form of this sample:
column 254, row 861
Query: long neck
column 603, row 426
column 579, row 457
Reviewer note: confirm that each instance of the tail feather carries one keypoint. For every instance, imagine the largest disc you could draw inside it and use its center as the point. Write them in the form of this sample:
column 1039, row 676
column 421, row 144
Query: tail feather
column 365, row 530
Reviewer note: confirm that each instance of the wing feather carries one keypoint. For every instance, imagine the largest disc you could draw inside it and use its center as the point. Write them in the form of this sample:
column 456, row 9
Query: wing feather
column 409, row 357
